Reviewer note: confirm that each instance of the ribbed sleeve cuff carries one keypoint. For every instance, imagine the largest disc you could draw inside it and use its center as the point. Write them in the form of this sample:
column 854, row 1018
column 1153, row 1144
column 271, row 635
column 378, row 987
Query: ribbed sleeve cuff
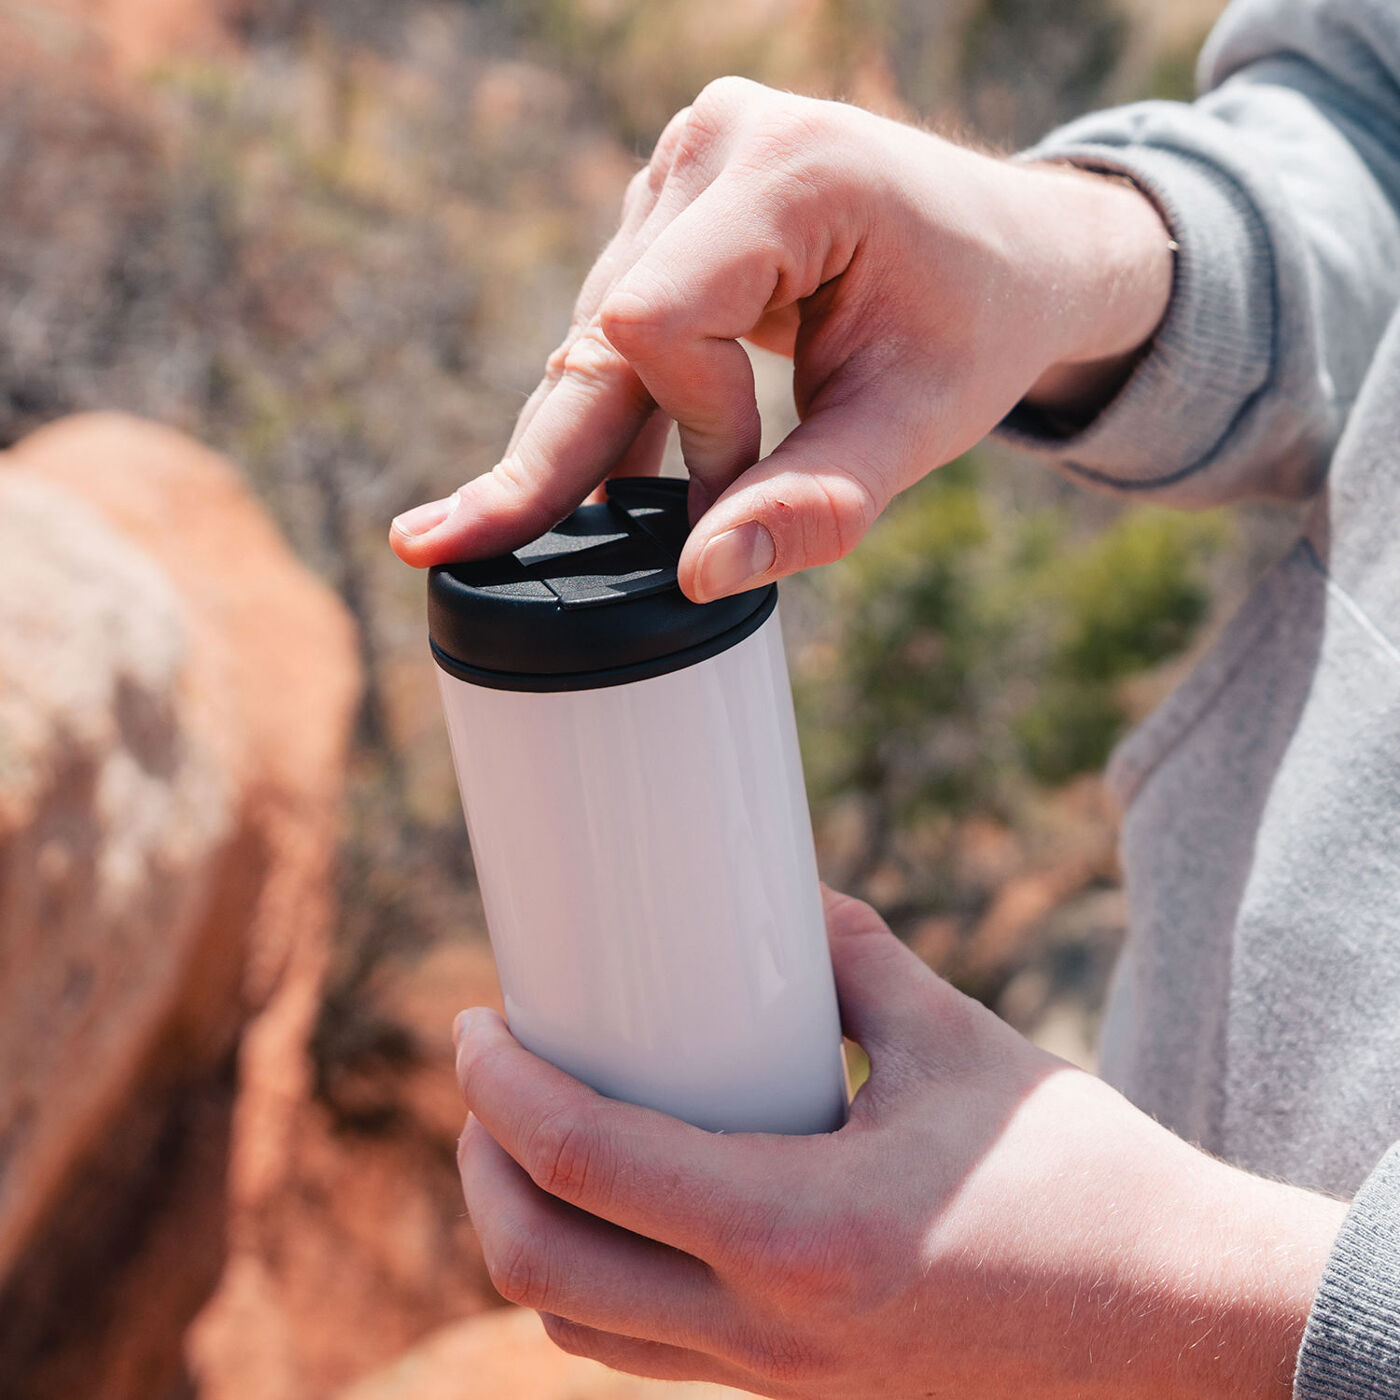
column 1351, row 1347
column 1212, row 354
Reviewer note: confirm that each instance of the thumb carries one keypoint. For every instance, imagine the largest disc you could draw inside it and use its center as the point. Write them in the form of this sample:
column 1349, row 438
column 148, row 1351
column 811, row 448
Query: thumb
column 907, row 1019
column 882, row 986
column 808, row 502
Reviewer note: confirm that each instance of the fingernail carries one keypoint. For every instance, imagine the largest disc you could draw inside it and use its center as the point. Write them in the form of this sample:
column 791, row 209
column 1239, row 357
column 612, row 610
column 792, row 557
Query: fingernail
column 429, row 516
column 460, row 1026
column 734, row 560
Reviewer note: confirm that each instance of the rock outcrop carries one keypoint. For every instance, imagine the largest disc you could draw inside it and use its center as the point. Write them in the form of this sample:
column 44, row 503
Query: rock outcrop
column 175, row 698
column 351, row 1242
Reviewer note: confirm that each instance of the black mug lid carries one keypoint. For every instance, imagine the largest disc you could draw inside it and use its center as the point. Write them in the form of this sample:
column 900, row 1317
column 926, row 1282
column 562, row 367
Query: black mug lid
column 592, row 602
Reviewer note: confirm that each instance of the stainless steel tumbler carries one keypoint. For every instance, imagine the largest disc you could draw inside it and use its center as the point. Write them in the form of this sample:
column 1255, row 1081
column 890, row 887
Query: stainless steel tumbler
column 629, row 769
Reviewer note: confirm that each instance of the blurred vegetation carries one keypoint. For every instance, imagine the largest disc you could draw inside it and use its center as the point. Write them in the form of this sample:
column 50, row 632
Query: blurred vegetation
column 976, row 659
column 1172, row 73
column 960, row 62
column 341, row 252
column 955, row 614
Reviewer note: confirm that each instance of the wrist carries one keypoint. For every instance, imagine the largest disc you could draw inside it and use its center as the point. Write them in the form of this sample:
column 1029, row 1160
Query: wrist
column 1179, row 1277
column 1238, row 1259
column 1106, row 271
column 1256, row 1250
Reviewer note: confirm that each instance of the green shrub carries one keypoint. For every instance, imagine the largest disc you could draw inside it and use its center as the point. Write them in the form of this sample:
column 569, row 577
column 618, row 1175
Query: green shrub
column 972, row 655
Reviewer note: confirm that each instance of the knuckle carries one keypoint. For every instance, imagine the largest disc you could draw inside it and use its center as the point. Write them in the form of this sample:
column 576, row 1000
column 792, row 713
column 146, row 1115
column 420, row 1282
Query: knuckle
column 847, row 508
column 591, row 358
column 685, row 148
column 849, row 915
column 639, row 192
column 517, row 1269
column 806, row 177
column 721, row 99
column 470, row 1069
column 569, row 1336
column 564, row 1157
column 511, row 474
column 554, row 365
column 667, row 148
column 630, row 321
column 794, row 136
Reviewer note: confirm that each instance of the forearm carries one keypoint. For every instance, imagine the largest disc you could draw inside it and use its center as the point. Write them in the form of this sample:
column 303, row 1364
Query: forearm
column 1244, row 1284
column 1160, row 1274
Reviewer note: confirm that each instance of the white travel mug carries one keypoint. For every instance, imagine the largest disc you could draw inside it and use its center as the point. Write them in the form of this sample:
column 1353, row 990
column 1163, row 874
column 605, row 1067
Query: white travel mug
column 629, row 769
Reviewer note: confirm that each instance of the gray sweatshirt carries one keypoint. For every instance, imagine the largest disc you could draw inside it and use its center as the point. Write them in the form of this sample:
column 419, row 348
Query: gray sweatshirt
column 1256, row 1008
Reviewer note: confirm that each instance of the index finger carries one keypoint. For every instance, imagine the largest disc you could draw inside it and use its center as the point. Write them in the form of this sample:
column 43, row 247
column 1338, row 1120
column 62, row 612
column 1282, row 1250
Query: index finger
column 588, row 420
column 708, row 1194
column 590, row 417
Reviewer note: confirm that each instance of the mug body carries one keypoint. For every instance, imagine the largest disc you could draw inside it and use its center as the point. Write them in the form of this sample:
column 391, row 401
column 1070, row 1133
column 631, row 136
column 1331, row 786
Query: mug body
column 645, row 856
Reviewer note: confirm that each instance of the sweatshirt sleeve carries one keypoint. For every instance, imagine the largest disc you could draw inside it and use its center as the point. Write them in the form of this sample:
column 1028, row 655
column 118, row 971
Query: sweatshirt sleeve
column 1281, row 188
column 1351, row 1346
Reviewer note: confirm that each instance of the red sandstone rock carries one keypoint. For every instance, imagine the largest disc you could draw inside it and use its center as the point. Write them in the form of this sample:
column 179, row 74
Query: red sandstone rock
column 175, row 695
column 358, row 1242
column 346, row 1234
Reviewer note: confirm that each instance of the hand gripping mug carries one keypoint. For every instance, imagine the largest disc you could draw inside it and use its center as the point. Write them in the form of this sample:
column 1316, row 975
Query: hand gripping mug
column 629, row 769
